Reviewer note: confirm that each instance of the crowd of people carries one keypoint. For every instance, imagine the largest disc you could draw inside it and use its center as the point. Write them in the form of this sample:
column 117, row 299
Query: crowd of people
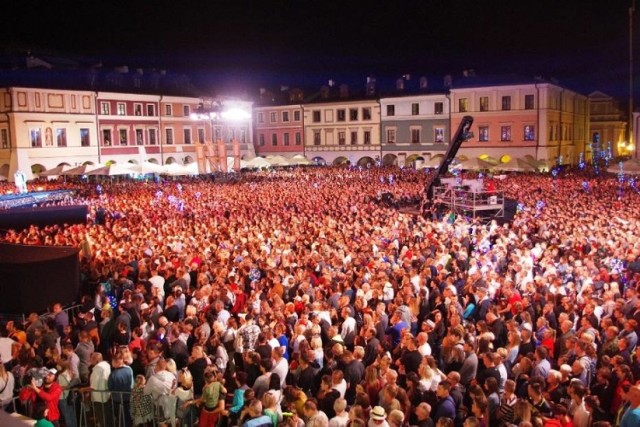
column 296, row 298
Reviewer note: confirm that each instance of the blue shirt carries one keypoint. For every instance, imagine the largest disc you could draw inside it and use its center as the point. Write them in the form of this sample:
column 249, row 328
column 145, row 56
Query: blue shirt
column 631, row 418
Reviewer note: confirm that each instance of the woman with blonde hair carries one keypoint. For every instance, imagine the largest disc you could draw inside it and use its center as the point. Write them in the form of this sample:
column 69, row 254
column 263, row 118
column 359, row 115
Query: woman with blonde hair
column 372, row 383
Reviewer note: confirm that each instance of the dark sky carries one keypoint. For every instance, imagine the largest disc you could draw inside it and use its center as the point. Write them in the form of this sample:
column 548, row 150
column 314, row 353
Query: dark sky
column 303, row 42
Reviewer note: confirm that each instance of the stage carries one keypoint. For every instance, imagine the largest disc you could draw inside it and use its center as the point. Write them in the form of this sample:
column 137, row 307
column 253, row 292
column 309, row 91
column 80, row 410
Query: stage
column 19, row 211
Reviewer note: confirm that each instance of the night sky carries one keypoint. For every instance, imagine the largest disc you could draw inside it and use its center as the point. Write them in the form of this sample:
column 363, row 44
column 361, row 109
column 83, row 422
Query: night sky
column 248, row 44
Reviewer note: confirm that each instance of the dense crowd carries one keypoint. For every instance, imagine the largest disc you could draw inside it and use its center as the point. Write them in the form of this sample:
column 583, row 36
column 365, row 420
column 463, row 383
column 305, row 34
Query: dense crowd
column 297, row 298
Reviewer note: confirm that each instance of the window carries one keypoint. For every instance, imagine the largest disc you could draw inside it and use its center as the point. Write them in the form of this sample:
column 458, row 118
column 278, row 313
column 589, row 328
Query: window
column 506, row 103
column 316, row 136
column 201, row 136
column 187, row 136
column 285, row 116
column 342, row 138
column 122, row 109
column 438, row 108
column 274, row 139
column 316, row 116
column 4, row 136
column 273, row 117
column 168, row 136
column 260, row 117
column 415, row 109
column 391, row 110
column 151, row 110
column 367, row 137
column 286, row 139
column 36, row 137
column 298, row 138
column 61, row 137
column 391, row 136
column 186, row 111
column 438, row 134
column 217, row 133
column 152, row 137
column 484, row 103
column 463, row 105
column 137, row 109
column 85, row 140
column 415, row 136
column 122, row 134
column 528, row 102
column 296, row 116
column 261, row 140
column 354, row 137
column 529, row 133
column 342, row 115
column 505, row 133
column 139, row 137
column 366, row 113
column 104, row 108
column 353, row 114
column 168, row 110
column 106, row 137
column 483, row 133
column 243, row 136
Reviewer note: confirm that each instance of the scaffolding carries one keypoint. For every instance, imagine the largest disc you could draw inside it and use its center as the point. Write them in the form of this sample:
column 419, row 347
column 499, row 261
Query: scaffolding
column 475, row 204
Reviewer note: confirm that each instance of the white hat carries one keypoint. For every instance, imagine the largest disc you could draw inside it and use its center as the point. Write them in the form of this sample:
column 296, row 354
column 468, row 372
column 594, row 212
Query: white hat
column 378, row 413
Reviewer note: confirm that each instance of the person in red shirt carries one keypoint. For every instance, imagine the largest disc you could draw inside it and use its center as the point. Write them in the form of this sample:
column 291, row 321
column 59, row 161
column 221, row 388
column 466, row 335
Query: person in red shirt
column 49, row 393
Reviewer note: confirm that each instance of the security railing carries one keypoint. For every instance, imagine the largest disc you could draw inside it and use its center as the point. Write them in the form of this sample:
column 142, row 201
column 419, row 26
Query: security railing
column 101, row 408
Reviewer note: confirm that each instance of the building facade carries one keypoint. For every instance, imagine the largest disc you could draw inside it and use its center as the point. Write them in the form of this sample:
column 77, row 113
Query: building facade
column 342, row 130
column 537, row 119
column 43, row 128
column 279, row 130
column 414, row 128
column 607, row 127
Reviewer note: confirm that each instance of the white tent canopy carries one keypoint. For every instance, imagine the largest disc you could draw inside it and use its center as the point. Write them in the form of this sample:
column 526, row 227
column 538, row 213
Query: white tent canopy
column 113, row 169
column 278, row 161
column 146, row 167
column 58, row 170
column 258, row 162
column 176, row 169
column 299, row 159
column 80, row 170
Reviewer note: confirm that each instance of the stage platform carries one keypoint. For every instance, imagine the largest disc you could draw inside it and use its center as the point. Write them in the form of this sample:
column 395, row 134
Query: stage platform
column 11, row 201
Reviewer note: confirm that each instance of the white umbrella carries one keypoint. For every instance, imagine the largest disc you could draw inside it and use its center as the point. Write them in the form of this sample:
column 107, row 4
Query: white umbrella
column 146, row 167
column 80, row 170
column 58, row 170
column 113, row 169
column 434, row 161
column 278, row 161
column 299, row 159
column 175, row 169
column 258, row 162
column 474, row 164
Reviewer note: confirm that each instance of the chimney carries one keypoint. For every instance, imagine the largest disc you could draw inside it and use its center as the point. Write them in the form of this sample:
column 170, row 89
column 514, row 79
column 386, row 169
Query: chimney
column 424, row 83
column 448, row 80
column 331, row 83
column 140, row 71
column 344, row 91
column 371, row 86
column 284, row 88
column 262, row 91
column 324, row 92
column 400, row 84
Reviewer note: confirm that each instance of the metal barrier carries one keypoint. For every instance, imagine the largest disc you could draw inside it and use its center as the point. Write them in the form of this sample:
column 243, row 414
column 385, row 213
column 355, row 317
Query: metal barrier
column 114, row 409
column 71, row 311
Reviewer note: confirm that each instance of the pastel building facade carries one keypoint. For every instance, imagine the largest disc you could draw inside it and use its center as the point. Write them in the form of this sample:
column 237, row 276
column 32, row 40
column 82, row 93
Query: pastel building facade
column 279, row 130
column 414, row 128
column 342, row 130
column 538, row 119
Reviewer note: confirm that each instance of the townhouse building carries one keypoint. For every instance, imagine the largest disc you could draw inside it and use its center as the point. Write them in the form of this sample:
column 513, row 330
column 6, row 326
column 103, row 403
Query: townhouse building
column 414, row 127
column 338, row 128
column 529, row 118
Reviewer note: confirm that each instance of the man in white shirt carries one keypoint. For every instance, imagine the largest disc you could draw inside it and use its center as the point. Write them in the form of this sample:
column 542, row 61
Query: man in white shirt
column 280, row 364
column 423, row 345
column 157, row 283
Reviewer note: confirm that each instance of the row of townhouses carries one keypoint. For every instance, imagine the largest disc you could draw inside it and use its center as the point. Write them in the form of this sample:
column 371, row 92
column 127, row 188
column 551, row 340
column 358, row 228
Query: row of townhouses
column 44, row 128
